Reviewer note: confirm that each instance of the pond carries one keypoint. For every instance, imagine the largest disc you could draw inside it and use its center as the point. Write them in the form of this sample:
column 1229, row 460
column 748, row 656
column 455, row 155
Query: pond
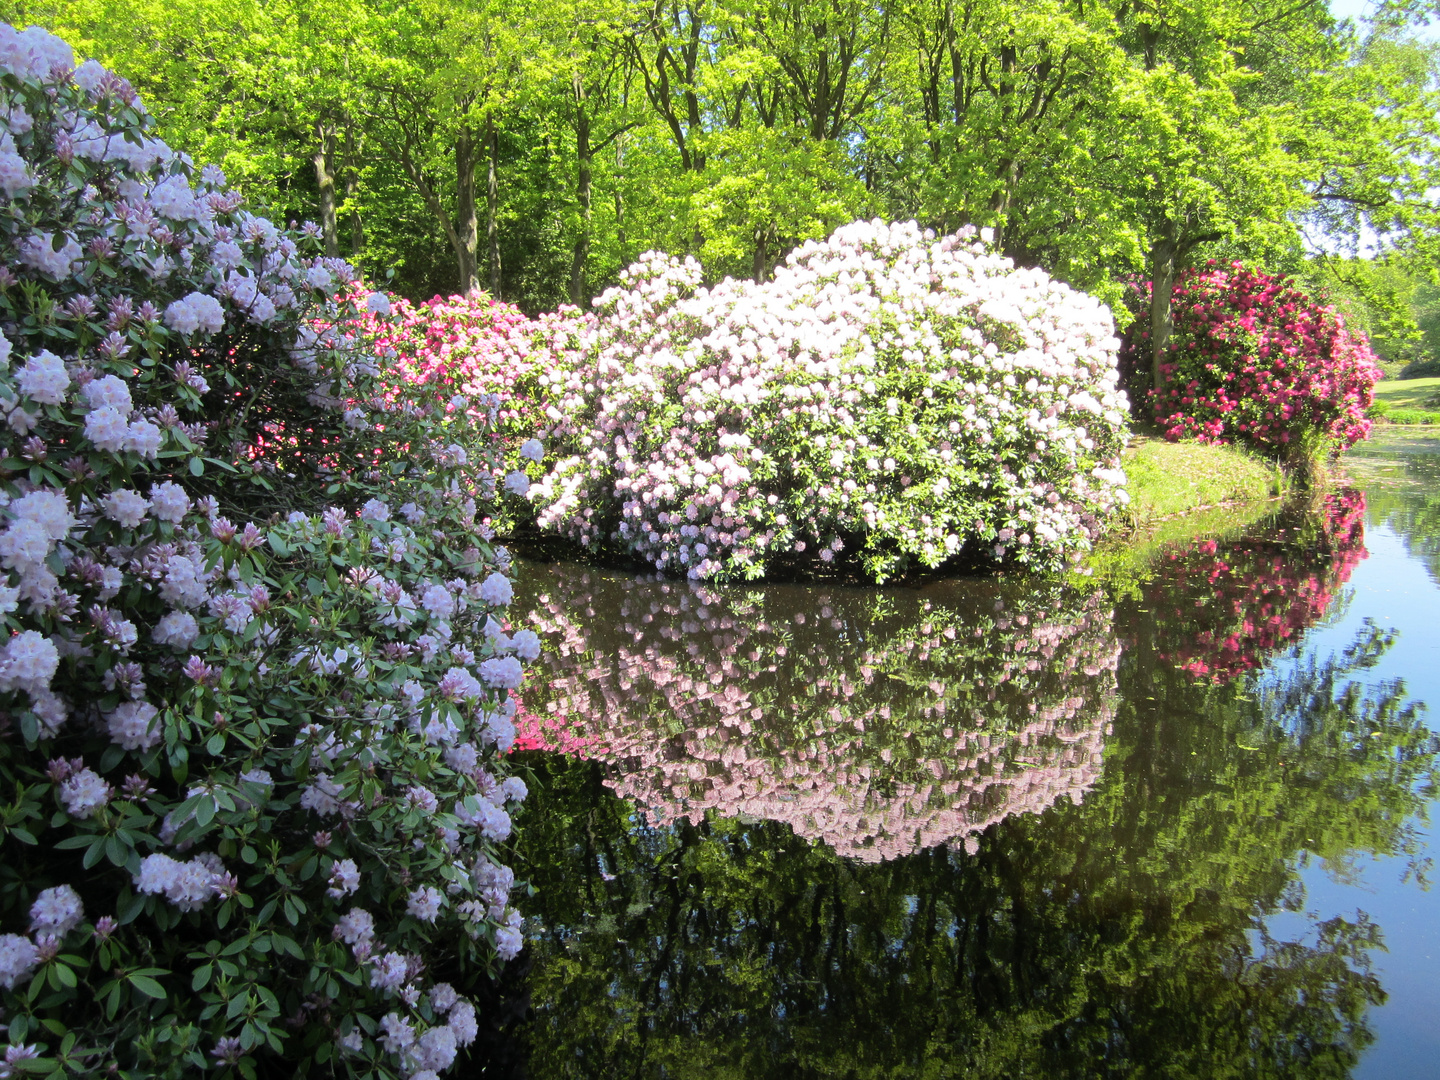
column 1175, row 825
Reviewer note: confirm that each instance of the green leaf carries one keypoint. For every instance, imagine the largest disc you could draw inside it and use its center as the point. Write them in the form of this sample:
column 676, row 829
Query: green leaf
column 116, row 851
column 94, row 853
column 201, row 978
column 147, row 986
column 197, row 466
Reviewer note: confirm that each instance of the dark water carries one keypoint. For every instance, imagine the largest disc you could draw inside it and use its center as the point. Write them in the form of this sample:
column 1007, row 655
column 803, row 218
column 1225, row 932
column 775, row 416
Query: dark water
column 1175, row 826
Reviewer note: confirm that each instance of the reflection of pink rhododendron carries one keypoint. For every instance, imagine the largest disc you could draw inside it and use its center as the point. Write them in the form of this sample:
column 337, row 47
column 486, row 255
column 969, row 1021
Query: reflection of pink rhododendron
column 881, row 723
column 1221, row 608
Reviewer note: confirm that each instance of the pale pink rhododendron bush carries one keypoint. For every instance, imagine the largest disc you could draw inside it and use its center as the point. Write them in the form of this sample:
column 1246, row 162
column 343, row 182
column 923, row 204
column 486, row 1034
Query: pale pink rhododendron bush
column 880, row 724
column 254, row 685
column 890, row 398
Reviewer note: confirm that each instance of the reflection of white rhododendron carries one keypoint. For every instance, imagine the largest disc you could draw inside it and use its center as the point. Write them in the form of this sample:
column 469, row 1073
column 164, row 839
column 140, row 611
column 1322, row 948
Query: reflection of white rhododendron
column 250, row 735
column 881, row 723
column 889, row 394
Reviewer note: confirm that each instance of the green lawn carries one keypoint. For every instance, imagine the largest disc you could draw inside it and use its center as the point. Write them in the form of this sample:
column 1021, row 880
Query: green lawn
column 1181, row 492
column 1407, row 401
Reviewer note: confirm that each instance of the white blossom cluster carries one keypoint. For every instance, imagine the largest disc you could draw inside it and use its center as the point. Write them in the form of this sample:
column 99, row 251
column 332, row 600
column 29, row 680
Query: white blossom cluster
column 908, row 394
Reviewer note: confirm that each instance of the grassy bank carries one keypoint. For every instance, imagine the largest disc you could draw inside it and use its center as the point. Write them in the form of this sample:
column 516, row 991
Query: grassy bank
column 1407, row 401
column 1169, row 480
column 1184, row 491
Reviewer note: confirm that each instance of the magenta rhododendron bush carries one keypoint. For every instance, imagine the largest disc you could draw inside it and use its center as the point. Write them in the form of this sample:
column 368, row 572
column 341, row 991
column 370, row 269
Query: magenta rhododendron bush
column 891, row 397
column 1254, row 360
column 255, row 679
column 935, row 715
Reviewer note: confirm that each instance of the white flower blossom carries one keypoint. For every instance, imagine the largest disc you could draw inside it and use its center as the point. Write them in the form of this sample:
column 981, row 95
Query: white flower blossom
column 83, row 792
column 56, row 911
column 128, row 508
column 44, row 378
column 497, row 590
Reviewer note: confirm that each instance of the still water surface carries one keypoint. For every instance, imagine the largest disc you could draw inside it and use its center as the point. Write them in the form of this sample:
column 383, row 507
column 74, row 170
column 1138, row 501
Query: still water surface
column 1175, row 826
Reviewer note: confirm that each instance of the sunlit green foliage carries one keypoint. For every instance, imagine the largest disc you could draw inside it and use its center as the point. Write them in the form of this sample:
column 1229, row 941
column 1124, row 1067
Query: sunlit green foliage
column 534, row 150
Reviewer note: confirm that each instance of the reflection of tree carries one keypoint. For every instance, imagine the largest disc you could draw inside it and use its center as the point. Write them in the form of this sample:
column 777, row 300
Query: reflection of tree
column 1221, row 608
column 1412, row 507
column 1121, row 937
column 879, row 722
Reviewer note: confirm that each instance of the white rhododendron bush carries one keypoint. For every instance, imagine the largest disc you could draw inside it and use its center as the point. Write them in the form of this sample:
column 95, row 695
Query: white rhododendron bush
column 890, row 397
column 255, row 677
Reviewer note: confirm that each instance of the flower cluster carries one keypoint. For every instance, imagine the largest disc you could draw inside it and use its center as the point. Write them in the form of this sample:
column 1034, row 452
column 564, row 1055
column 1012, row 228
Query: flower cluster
column 1254, row 360
column 889, row 397
column 458, row 352
column 1256, row 596
column 933, row 717
column 256, row 675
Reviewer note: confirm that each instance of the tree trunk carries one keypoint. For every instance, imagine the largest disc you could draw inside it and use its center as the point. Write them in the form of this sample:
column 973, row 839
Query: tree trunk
column 582, row 193
column 1008, row 175
column 619, row 195
column 352, row 195
column 760, row 265
column 324, row 159
column 492, row 198
column 1162, row 320
column 466, row 224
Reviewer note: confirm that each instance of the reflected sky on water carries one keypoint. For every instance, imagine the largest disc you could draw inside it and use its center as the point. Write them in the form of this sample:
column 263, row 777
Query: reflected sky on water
column 1395, row 586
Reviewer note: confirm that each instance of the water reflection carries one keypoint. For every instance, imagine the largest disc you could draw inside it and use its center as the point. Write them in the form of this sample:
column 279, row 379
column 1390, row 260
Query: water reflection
column 881, row 723
column 695, row 928
column 1121, row 937
column 1222, row 608
column 1403, row 470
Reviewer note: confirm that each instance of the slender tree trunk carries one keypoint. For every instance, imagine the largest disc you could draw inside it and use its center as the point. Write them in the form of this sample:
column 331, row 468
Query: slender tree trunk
column 582, row 193
column 466, row 224
column 620, row 195
column 492, row 198
column 1008, row 175
column 760, row 264
column 1162, row 320
column 324, row 159
column 352, row 194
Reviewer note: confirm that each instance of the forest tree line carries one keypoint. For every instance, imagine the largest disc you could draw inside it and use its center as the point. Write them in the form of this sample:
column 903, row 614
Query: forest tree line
column 534, row 149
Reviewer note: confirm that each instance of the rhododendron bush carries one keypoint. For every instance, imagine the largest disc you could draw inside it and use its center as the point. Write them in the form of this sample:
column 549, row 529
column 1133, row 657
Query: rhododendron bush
column 889, row 397
column 880, row 723
column 254, row 685
column 452, row 352
column 1254, row 360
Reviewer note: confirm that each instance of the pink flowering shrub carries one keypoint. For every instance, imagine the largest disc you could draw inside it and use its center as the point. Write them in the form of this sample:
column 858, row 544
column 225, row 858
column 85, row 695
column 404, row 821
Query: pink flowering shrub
column 879, row 723
column 890, row 397
column 255, row 676
column 1254, row 360
column 460, row 352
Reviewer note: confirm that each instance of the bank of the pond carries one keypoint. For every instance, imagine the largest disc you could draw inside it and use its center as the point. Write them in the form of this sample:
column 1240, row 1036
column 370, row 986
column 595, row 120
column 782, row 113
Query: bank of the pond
column 1407, row 401
column 1184, row 491
column 1169, row 481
